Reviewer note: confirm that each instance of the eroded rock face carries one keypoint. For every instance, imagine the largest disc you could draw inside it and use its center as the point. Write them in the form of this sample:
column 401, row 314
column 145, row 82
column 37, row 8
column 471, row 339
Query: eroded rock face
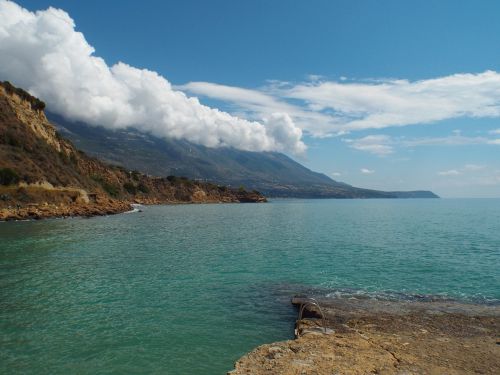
column 33, row 118
column 407, row 339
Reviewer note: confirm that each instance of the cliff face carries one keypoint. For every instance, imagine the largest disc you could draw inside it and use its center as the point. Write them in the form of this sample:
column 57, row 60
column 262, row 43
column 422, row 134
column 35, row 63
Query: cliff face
column 43, row 174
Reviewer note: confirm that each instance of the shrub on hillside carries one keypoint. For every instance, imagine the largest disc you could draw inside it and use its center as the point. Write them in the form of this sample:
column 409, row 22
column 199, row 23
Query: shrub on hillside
column 111, row 189
column 9, row 138
column 136, row 175
column 130, row 188
column 143, row 188
column 8, row 176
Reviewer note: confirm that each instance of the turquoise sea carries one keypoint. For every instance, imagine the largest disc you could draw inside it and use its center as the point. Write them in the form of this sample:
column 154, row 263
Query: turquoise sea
column 188, row 289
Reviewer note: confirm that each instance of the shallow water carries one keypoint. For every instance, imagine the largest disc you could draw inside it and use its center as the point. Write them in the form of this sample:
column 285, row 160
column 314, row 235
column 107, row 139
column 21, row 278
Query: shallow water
column 188, row 289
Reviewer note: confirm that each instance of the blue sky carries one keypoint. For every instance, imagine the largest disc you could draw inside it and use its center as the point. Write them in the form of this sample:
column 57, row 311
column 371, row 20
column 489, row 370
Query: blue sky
column 390, row 95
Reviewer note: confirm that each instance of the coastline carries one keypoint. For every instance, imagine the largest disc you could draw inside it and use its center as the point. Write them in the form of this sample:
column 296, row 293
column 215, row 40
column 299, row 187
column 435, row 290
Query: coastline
column 385, row 337
column 39, row 212
column 102, row 208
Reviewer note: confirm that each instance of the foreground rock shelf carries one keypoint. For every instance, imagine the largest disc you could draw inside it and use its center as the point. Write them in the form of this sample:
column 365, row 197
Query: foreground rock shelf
column 379, row 337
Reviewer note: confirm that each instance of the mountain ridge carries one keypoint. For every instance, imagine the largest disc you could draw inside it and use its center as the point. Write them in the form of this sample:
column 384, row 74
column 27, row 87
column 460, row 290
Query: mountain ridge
column 272, row 173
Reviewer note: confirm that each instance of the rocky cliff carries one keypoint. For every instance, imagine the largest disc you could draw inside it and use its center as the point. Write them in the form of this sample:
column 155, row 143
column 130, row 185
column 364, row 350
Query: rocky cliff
column 42, row 174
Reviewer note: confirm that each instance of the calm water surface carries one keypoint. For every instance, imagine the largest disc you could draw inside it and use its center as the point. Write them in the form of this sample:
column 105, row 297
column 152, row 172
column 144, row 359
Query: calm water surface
column 188, row 289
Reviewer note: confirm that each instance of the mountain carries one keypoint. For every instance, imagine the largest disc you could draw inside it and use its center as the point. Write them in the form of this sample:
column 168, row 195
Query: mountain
column 42, row 174
column 272, row 173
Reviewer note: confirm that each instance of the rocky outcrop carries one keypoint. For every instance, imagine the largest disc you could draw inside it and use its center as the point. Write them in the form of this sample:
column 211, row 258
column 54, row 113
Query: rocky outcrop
column 380, row 337
column 44, row 175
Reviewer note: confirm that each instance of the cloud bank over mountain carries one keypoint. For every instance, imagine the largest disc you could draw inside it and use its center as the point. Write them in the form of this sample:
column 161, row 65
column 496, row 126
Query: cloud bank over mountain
column 42, row 52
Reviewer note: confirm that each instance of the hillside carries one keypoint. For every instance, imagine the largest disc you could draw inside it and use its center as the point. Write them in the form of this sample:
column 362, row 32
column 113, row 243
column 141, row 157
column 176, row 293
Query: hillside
column 42, row 174
column 272, row 173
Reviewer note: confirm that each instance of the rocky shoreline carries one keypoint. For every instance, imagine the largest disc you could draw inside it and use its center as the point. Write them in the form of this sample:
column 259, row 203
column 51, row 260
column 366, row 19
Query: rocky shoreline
column 367, row 336
column 101, row 207
column 59, row 211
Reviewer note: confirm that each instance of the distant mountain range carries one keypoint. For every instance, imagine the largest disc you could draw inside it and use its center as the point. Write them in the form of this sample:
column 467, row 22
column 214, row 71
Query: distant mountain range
column 271, row 173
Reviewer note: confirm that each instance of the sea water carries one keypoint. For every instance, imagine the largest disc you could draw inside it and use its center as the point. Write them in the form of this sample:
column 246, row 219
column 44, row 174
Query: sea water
column 188, row 289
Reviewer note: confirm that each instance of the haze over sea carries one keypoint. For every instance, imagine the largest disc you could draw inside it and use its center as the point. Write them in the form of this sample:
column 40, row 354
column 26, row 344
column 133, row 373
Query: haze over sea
column 188, row 289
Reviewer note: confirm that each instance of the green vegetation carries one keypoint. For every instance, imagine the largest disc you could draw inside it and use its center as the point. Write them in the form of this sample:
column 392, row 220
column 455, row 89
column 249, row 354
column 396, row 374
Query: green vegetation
column 209, row 185
column 8, row 176
column 10, row 139
column 135, row 175
column 97, row 178
column 130, row 188
column 110, row 189
column 174, row 180
column 23, row 195
column 143, row 188
column 187, row 182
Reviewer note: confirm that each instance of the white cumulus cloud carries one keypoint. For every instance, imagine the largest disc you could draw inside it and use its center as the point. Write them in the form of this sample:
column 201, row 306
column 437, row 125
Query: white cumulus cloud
column 451, row 172
column 367, row 171
column 43, row 53
column 376, row 144
column 281, row 128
